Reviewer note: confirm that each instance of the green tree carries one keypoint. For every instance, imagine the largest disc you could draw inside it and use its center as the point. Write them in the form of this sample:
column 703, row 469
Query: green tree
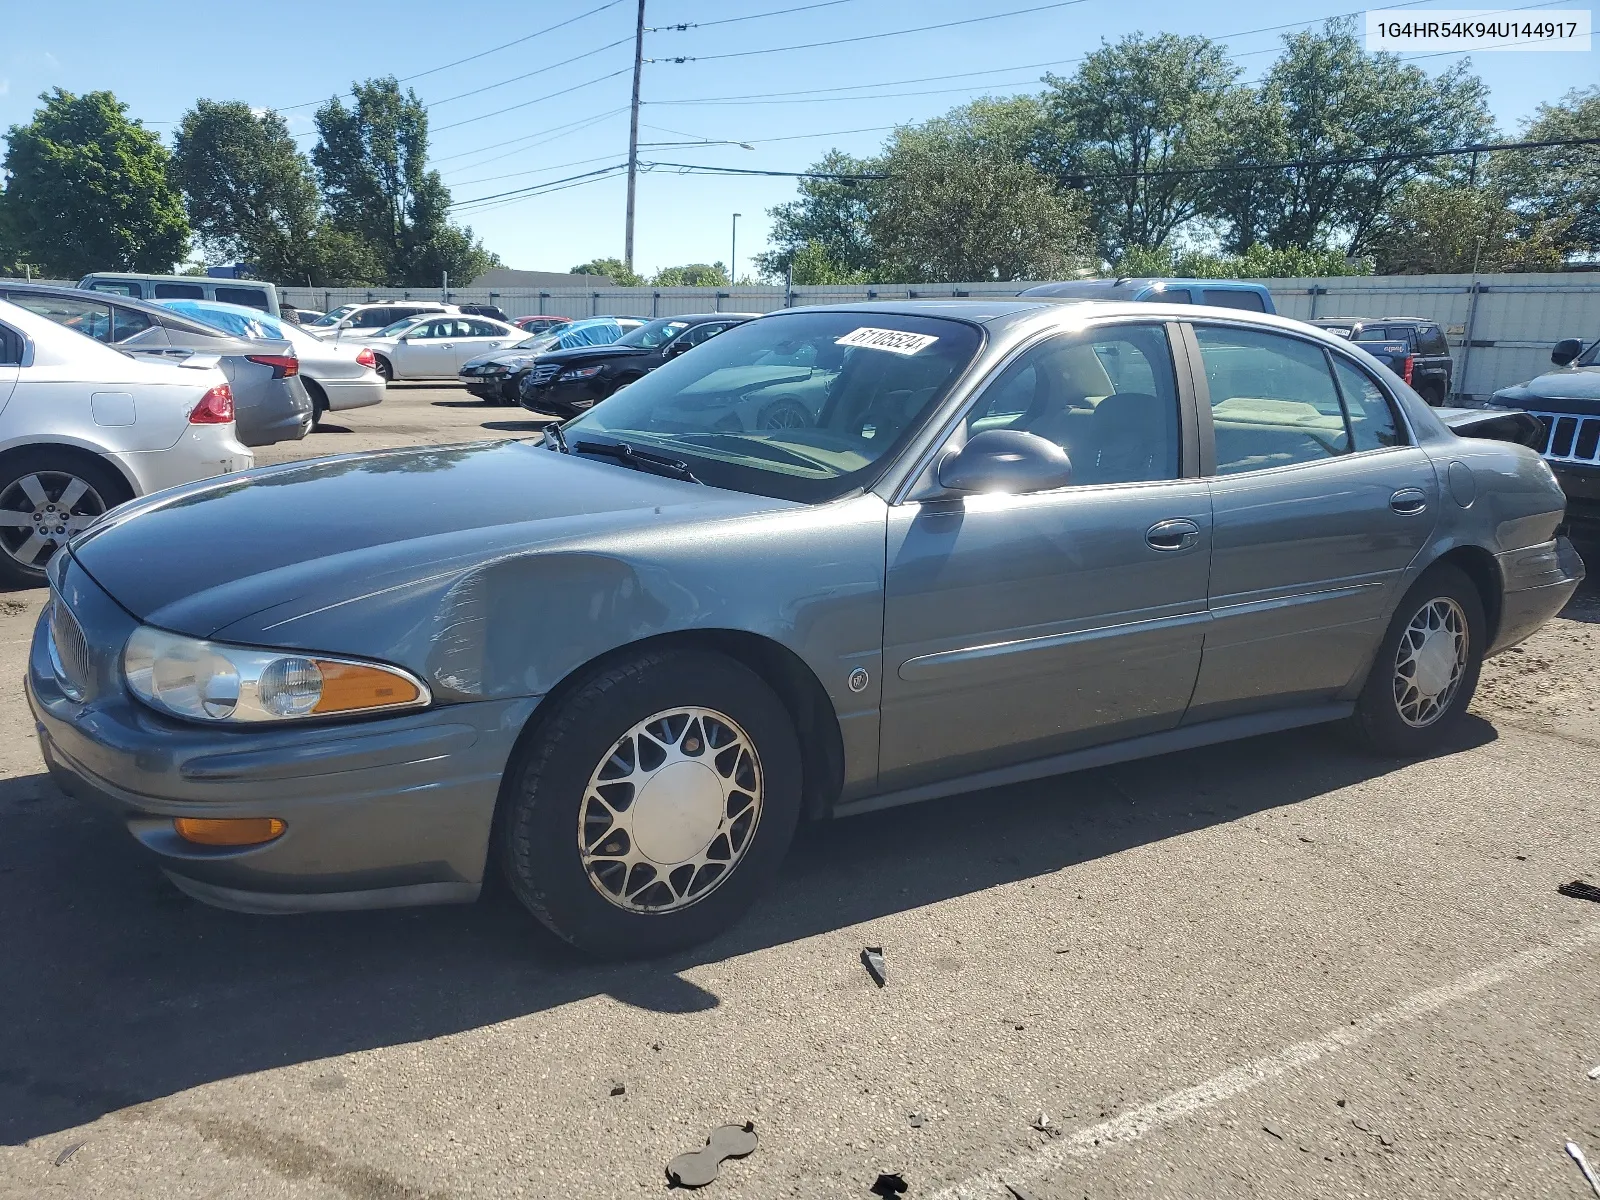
column 812, row 264
column 613, row 269
column 89, row 190
column 1258, row 262
column 1326, row 98
column 251, row 193
column 692, row 275
column 1435, row 227
column 1144, row 104
column 1559, row 185
column 372, row 162
column 959, row 204
column 833, row 214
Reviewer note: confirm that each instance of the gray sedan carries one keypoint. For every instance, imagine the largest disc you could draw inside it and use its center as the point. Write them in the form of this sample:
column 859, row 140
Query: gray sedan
column 271, row 403
column 1012, row 538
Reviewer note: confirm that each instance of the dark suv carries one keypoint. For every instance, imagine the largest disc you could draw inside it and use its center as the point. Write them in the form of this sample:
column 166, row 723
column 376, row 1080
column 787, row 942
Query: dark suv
column 568, row 382
column 1567, row 403
column 1412, row 347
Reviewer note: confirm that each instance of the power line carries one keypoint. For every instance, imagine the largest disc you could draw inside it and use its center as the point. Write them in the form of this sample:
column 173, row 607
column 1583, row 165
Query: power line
column 549, row 191
column 482, row 53
column 549, row 184
column 792, row 137
column 705, row 169
column 580, row 162
column 868, row 37
column 536, row 100
column 679, row 28
column 570, row 127
column 489, row 87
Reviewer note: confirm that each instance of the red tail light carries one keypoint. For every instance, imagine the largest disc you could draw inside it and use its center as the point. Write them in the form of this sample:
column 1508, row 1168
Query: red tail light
column 215, row 407
column 1406, row 372
column 283, row 365
column 367, row 359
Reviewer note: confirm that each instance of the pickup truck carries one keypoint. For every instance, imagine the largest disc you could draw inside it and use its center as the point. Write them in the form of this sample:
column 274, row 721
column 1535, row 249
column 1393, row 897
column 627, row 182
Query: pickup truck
column 1414, row 348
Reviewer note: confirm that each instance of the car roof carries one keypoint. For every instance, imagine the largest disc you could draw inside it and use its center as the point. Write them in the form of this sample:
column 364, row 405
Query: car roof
column 700, row 318
column 1131, row 285
column 170, row 317
column 1373, row 321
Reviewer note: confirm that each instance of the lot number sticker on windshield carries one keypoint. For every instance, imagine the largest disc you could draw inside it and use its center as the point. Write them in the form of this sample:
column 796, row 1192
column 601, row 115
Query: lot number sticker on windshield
column 895, row 341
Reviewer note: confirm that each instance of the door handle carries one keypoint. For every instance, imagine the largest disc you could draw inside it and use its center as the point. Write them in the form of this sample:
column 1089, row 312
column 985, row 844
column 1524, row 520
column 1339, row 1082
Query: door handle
column 447, row 346
column 1408, row 502
column 1179, row 533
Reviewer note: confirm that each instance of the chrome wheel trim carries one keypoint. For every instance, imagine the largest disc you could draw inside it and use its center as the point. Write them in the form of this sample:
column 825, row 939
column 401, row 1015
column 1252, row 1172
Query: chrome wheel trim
column 1431, row 661
column 785, row 414
column 671, row 810
column 41, row 511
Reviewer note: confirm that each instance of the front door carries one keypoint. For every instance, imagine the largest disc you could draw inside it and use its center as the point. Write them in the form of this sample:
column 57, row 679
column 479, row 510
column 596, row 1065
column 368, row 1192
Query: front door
column 1319, row 505
column 1018, row 627
column 429, row 350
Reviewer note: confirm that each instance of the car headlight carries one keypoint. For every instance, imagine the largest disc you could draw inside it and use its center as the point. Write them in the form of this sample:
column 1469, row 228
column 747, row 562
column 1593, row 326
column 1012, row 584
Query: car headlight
column 582, row 372
column 211, row 681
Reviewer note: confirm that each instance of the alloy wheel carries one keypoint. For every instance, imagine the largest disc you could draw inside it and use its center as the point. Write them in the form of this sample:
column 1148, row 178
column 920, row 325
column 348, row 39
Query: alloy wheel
column 41, row 511
column 1430, row 661
column 670, row 810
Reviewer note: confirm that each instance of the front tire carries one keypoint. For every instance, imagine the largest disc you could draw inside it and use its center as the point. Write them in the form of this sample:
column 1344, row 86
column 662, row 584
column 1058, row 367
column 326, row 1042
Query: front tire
column 648, row 812
column 1426, row 669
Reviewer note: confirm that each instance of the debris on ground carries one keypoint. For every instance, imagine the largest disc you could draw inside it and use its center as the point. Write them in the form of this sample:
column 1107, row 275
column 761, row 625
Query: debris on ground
column 1042, row 1122
column 1594, row 1072
column 872, row 960
column 619, row 1089
column 68, row 1151
column 1020, row 1193
column 890, row 1185
column 918, row 1120
column 699, row 1167
column 1577, row 1156
column 1580, row 890
column 1273, row 1132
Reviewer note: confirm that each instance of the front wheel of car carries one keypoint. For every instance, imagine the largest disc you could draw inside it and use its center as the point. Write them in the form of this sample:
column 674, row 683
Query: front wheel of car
column 45, row 498
column 649, row 810
column 1427, row 667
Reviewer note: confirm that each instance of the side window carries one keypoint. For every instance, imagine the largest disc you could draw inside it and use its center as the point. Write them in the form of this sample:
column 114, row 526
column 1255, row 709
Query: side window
column 180, row 291
column 10, row 347
column 125, row 322
column 483, row 329
column 249, row 297
column 1433, row 341
column 1109, row 398
column 1230, row 298
column 92, row 318
column 1173, row 296
column 117, row 288
column 701, row 333
column 1372, row 420
column 1273, row 400
column 373, row 318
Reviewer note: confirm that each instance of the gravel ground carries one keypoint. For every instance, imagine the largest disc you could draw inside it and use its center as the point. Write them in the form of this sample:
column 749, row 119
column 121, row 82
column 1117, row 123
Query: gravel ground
column 1272, row 969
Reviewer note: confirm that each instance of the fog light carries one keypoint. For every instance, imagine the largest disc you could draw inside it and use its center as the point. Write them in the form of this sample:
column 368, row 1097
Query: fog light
column 232, row 831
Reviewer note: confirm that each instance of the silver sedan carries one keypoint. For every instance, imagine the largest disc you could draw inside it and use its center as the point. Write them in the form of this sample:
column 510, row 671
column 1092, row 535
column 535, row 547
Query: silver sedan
column 437, row 346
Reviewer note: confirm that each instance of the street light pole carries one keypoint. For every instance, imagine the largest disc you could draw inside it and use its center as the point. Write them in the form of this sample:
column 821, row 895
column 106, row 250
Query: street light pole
column 733, row 253
column 633, row 136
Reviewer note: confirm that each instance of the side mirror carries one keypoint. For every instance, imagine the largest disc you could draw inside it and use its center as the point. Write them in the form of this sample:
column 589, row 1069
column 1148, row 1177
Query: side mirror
column 1565, row 351
column 1006, row 460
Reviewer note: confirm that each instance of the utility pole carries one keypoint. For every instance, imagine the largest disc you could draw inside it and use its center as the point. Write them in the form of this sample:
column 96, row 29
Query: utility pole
column 633, row 136
column 733, row 253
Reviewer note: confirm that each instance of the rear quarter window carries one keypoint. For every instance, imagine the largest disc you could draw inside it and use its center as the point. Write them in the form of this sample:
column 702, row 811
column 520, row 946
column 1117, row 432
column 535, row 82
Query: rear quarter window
column 250, row 297
column 1229, row 298
column 10, row 347
column 180, row 291
column 117, row 288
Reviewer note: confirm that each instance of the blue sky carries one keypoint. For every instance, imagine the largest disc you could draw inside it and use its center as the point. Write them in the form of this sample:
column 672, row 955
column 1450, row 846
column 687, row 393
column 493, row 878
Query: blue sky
column 161, row 57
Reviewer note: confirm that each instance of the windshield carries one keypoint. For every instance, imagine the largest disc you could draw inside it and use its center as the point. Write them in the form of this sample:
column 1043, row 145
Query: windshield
column 656, row 333
column 337, row 315
column 804, row 406
column 399, row 327
column 1590, row 357
column 230, row 318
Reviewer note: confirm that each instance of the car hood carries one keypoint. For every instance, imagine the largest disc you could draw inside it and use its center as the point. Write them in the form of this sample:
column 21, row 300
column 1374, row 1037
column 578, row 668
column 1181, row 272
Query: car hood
column 285, row 541
column 592, row 353
column 1571, row 389
column 507, row 357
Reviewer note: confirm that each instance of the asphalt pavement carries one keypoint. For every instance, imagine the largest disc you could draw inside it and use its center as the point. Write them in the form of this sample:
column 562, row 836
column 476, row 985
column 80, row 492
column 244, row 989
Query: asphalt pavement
column 1278, row 968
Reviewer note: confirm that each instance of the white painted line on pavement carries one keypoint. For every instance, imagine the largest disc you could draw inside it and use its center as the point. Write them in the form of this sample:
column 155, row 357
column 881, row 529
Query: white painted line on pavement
column 1136, row 1122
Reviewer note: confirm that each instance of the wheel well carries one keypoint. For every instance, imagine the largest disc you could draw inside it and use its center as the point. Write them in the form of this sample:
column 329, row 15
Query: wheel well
column 815, row 722
column 79, row 454
column 1479, row 566
column 315, row 388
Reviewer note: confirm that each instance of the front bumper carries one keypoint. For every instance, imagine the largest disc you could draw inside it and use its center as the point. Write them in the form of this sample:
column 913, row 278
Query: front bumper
column 491, row 387
column 563, row 400
column 1538, row 582
column 384, row 812
column 1582, row 487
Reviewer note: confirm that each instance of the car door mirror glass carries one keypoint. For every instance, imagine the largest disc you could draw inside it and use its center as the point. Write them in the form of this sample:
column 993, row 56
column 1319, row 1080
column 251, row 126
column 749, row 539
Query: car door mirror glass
column 1565, row 351
column 1011, row 461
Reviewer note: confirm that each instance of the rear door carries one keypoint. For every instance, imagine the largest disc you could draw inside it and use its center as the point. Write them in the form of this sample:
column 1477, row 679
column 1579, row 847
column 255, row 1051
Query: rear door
column 478, row 336
column 1319, row 503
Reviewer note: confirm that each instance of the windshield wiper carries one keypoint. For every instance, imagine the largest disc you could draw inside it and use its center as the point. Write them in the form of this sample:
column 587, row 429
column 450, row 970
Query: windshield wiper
column 640, row 460
column 553, row 432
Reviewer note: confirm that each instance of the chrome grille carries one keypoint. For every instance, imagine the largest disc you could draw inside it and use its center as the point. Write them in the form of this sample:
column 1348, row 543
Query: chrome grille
column 544, row 373
column 1571, row 438
column 69, row 651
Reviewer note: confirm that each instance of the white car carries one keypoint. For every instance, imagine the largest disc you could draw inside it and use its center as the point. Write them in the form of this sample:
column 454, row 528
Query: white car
column 84, row 427
column 366, row 319
column 435, row 347
column 337, row 375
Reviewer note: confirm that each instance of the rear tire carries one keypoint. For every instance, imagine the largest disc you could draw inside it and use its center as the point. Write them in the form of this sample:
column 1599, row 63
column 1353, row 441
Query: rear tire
column 650, row 809
column 46, row 496
column 1426, row 669
column 319, row 402
column 385, row 369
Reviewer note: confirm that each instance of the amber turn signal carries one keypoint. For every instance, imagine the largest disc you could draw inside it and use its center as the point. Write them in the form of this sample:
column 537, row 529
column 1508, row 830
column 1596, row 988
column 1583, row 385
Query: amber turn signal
column 349, row 687
column 230, row 831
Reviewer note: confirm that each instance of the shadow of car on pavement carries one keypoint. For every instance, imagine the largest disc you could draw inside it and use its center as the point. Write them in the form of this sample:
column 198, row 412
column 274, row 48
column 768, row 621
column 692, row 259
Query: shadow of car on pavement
column 121, row 990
